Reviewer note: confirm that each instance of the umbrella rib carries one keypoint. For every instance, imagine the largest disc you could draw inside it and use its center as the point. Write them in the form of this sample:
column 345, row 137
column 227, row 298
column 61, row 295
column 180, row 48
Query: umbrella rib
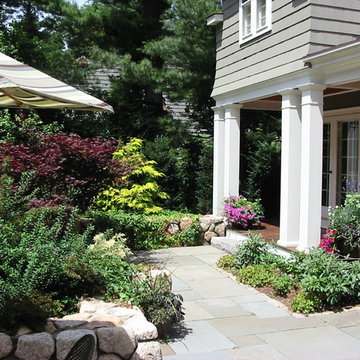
column 11, row 97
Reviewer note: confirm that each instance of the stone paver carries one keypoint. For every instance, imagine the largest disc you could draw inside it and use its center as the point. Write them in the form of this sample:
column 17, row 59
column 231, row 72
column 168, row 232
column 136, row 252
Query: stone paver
column 352, row 330
column 198, row 336
column 323, row 343
column 343, row 319
column 226, row 320
column 194, row 311
column 222, row 307
column 241, row 325
column 258, row 352
column 265, row 310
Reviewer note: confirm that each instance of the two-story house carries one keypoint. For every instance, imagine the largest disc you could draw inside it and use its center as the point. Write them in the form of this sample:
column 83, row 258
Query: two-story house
column 301, row 57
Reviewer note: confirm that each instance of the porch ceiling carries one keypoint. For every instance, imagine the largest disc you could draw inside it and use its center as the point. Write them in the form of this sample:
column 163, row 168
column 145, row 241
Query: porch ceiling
column 274, row 102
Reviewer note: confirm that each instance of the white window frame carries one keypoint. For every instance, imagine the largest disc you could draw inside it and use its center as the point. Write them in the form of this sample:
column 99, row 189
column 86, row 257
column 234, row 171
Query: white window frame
column 255, row 29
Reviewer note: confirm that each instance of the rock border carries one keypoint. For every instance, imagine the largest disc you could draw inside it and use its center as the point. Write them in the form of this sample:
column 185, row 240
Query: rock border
column 120, row 333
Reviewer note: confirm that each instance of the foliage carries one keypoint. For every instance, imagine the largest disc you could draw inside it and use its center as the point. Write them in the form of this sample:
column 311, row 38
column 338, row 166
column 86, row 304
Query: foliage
column 66, row 169
column 283, row 284
column 139, row 190
column 251, row 251
column 325, row 280
column 260, row 161
column 226, row 262
column 344, row 220
column 185, row 160
column 204, row 189
column 241, row 212
column 187, row 50
column 145, row 232
column 331, row 280
column 43, row 271
column 306, row 303
column 22, row 127
column 256, row 276
column 159, row 304
column 108, row 243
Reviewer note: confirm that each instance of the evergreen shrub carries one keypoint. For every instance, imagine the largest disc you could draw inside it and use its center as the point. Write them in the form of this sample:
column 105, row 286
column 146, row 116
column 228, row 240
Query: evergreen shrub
column 149, row 231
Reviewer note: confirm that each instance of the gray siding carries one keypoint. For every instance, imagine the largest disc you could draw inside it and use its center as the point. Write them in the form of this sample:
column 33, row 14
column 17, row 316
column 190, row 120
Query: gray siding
column 270, row 55
column 333, row 23
column 299, row 28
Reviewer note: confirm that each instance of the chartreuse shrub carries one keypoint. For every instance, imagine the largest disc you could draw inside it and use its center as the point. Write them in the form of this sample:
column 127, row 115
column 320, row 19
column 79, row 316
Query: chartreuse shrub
column 148, row 231
column 321, row 280
column 142, row 192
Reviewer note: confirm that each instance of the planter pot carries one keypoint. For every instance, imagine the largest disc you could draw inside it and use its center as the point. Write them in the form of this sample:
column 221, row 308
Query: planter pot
column 164, row 329
column 347, row 250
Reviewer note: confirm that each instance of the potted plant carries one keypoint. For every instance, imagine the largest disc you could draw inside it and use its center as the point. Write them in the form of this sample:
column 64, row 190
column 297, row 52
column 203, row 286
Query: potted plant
column 241, row 213
column 344, row 223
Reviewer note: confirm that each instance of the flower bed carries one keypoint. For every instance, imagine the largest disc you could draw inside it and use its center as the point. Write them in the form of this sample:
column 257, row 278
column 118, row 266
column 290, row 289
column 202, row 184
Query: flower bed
column 307, row 283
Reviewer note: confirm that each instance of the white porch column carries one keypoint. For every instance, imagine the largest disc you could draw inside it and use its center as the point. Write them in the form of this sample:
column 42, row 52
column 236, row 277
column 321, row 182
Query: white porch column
column 290, row 167
column 311, row 165
column 219, row 158
column 232, row 150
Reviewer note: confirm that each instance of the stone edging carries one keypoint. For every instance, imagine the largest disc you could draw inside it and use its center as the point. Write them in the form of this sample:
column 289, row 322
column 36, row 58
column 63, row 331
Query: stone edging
column 120, row 334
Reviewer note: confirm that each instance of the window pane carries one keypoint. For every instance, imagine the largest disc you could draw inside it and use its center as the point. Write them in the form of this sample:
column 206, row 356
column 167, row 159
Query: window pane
column 326, row 166
column 348, row 180
column 261, row 13
column 246, row 18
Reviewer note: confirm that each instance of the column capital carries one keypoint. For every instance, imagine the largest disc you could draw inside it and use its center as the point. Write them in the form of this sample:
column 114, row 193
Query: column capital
column 219, row 113
column 290, row 91
column 311, row 86
column 233, row 106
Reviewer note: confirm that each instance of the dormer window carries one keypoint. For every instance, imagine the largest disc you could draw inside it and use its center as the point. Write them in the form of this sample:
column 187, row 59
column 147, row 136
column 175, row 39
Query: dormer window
column 255, row 18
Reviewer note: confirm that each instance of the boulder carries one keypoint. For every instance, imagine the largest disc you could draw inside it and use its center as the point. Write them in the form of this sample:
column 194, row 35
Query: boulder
column 125, row 313
column 38, row 346
column 207, row 220
column 23, row 330
column 65, row 324
column 185, row 223
column 109, row 357
column 117, row 340
column 209, row 235
column 172, row 229
column 67, row 339
column 148, row 351
column 142, row 329
column 220, row 229
column 103, row 320
column 5, row 345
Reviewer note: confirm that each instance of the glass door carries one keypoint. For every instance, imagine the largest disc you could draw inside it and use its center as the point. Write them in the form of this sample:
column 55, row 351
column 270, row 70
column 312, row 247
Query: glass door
column 348, row 159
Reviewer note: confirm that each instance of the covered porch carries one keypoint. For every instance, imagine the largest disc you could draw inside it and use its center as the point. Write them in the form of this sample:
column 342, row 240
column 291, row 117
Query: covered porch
column 320, row 111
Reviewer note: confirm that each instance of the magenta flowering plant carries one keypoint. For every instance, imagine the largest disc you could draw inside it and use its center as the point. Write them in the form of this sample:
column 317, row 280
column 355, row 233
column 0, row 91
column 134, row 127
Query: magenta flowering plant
column 327, row 242
column 242, row 213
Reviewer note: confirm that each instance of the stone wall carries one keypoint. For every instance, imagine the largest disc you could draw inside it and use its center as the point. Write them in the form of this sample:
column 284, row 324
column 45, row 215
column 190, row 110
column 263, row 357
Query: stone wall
column 211, row 226
column 120, row 334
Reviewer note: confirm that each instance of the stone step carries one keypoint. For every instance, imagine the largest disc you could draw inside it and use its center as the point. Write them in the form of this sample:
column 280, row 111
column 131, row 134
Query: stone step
column 231, row 242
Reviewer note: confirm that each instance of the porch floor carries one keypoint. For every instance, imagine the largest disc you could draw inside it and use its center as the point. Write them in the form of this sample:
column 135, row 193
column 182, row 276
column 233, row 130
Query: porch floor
column 270, row 231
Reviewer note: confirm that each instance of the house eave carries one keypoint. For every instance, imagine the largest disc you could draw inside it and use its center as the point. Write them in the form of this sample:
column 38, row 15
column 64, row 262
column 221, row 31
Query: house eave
column 215, row 19
column 334, row 55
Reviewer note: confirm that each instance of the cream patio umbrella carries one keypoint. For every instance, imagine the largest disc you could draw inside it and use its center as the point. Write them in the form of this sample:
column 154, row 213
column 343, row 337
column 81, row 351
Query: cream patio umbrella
column 22, row 86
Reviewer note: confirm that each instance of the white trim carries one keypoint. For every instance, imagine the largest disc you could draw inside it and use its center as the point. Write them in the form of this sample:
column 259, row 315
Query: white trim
column 215, row 19
column 255, row 30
